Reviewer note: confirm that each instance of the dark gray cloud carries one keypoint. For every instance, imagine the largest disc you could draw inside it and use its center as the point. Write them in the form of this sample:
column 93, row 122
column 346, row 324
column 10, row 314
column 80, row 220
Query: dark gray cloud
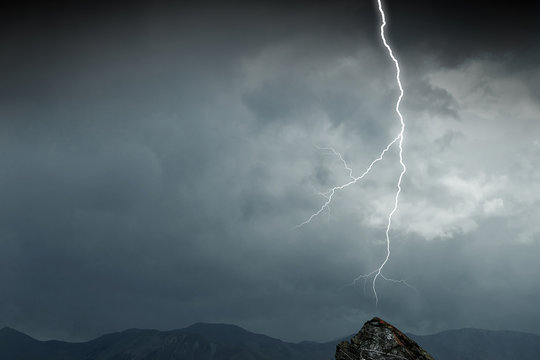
column 459, row 30
column 156, row 158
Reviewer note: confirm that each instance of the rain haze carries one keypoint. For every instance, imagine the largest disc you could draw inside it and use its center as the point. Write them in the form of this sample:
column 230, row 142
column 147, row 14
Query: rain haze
column 155, row 158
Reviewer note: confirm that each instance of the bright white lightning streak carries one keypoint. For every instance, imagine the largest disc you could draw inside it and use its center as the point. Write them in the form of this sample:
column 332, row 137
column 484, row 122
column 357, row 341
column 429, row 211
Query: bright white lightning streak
column 400, row 143
column 399, row 140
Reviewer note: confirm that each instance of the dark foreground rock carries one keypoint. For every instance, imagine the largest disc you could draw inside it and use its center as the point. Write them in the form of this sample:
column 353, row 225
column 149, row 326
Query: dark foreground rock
column 378, row 340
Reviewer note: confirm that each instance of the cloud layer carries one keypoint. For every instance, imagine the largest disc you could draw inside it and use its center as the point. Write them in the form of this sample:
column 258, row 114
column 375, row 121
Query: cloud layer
column 155, row 164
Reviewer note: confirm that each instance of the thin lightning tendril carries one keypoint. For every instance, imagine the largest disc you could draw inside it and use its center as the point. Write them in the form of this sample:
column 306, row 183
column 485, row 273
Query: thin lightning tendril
column 399, row 140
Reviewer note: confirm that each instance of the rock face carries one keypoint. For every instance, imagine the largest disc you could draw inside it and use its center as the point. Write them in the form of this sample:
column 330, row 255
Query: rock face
column 378, row 340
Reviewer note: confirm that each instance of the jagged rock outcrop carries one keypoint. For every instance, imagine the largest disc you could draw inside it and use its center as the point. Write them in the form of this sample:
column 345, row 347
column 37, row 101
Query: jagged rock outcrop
column 378, row 340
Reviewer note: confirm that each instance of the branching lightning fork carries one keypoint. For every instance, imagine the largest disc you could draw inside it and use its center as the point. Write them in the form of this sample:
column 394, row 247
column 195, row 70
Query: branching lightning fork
column 353, row 180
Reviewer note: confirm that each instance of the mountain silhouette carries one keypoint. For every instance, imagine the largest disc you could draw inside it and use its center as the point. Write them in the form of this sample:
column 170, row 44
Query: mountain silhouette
column 468, row 344
column 204, row 341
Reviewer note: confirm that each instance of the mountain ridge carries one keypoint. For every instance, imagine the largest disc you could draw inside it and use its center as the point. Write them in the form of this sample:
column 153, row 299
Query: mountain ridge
column 489, row 344
column 220, row 341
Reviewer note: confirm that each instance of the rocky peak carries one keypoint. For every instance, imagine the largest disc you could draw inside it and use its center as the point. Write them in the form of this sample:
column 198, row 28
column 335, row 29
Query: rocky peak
column 378, row 340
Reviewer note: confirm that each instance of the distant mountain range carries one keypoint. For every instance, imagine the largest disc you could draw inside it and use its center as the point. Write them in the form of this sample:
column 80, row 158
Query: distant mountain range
column 229, row 342
column 469, row 344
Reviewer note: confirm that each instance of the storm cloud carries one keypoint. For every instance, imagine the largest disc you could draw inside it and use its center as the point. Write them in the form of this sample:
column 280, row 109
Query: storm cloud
column 155, row 160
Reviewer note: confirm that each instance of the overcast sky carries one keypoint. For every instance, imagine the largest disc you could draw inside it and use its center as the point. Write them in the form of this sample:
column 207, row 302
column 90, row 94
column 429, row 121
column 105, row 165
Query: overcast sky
column 154, row 160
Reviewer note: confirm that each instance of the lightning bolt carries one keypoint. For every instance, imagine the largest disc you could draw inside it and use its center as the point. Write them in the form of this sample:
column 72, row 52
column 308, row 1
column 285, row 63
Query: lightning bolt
column 353, row 180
